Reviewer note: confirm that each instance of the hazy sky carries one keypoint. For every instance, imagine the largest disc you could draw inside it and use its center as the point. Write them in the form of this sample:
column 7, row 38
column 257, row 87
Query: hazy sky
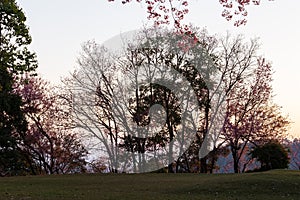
column 59, row 27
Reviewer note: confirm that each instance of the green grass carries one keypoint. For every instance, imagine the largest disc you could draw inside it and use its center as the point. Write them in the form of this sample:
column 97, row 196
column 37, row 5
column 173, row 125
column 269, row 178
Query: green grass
column 277, row 184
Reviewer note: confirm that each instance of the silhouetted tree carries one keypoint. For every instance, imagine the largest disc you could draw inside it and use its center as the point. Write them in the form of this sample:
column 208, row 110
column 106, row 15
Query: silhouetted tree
column 271, row 155
column 51, row 140
column 251, row 116
column 15, row 59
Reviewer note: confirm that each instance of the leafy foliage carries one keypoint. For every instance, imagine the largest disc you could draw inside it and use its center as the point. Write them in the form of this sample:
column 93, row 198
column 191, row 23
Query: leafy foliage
column 14, row 39
column 272, row 155
column 15, row 59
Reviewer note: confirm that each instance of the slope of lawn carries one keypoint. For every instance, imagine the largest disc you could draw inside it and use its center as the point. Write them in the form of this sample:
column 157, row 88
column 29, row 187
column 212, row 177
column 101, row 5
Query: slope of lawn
column 277, row 184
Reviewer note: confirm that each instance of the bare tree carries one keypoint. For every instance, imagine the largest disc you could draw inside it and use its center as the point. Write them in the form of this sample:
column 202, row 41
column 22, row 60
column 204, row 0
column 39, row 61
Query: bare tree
column 114, row 96
column 234, row 58
column 124, row 119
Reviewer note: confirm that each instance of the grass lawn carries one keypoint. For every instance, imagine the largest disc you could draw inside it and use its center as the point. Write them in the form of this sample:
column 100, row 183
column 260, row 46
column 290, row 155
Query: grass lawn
column 277, row 184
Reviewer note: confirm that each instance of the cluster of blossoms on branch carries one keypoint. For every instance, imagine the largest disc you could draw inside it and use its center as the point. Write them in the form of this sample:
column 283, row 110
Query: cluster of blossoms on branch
column 174, row 11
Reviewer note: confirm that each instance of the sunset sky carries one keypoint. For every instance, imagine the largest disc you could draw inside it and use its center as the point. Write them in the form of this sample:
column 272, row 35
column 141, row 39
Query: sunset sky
column 59, row 27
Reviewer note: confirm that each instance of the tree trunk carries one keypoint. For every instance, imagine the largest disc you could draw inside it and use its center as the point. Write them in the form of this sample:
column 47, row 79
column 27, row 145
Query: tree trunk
column 203, row 161
column 235, row 162
column 170, row 168
column 203, row 165
column 213, row 160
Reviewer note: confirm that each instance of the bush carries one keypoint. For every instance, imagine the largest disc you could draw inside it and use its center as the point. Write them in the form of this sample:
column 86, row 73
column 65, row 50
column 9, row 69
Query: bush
column 271, row 156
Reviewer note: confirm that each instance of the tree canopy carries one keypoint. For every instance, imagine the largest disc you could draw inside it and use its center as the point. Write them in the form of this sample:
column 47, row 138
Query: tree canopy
column 271, row 155
column 15, row 59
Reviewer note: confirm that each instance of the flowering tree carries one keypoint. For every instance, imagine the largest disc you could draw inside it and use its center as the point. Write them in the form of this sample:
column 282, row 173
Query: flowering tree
column 174, row 11
column 49, row 140
column 251, row 117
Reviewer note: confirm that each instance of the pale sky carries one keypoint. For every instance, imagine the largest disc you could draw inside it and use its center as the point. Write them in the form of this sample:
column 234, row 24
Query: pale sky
column 59, row 27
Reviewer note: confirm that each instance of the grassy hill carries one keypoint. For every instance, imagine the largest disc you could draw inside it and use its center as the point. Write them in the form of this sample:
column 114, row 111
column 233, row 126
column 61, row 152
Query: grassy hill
column 278, row 184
